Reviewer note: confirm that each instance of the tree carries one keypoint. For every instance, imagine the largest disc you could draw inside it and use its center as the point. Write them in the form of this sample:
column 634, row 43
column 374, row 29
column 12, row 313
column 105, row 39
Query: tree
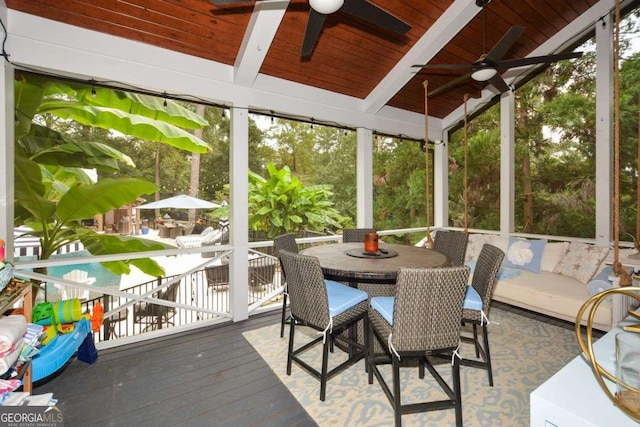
column 53, row 194
column 282, row 204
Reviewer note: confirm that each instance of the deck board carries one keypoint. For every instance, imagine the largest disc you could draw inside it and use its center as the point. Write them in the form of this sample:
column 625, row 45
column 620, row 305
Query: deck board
column 206, row 377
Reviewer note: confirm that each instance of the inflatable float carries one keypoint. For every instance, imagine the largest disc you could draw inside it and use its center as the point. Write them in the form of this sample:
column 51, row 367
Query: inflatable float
column 56, row 353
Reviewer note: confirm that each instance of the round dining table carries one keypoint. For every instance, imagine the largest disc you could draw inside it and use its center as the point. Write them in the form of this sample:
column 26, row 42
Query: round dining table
column 348, row 262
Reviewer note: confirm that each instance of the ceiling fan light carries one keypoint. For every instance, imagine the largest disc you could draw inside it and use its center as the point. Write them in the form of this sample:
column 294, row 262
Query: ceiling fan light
column 483, row 74
column 326, row 7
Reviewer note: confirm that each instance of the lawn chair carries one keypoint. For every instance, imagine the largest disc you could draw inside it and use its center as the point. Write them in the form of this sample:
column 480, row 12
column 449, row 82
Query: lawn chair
column 79, row 276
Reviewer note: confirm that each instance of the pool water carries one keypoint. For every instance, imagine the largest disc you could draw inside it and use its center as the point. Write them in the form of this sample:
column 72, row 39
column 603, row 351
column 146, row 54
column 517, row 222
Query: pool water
column 104, row 277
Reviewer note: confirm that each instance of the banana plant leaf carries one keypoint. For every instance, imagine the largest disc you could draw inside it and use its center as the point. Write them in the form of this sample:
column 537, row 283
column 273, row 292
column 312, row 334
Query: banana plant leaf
column 128, row 124
column 83, row 202
column 142, row 105
column 48, row 147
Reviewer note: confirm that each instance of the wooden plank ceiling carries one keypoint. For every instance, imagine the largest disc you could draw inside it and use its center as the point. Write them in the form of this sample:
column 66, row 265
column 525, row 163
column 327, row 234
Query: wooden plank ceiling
column 351, row 57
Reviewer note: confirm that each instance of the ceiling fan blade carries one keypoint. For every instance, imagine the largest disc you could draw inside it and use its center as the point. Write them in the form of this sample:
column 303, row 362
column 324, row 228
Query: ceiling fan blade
column 498, row 82
column 505, row 43
column 374, row 14
column 445, row 66
column 223, row 2
column 511, row 63
column 448, row 86
column 314, row 26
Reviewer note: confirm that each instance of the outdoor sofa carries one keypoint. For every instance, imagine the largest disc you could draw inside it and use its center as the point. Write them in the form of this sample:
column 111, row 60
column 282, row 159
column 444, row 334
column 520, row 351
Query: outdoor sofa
column 554, row 278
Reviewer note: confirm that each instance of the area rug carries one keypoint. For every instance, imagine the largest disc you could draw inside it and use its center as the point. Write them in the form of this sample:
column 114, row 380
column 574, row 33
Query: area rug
column 525, row 353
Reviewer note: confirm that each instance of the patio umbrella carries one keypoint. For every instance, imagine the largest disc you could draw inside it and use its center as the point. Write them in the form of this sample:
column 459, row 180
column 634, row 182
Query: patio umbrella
column 182, row 201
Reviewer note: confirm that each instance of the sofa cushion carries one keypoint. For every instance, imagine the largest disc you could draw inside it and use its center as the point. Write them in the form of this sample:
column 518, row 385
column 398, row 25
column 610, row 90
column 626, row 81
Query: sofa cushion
column 551, row 294
column 581, row 261
column 500, row 242
column 524, row 254
column 553, row 253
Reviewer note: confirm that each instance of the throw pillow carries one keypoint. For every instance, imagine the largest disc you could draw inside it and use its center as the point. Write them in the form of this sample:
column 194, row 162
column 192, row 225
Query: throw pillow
column 524, row 254
column 475, row 244
column 553, row 253
column 581, row 261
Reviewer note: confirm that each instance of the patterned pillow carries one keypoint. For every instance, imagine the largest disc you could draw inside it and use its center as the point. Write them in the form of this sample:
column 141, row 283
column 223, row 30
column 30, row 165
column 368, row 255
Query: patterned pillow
column 476, row 241
column 524, row 254
column 581, row 261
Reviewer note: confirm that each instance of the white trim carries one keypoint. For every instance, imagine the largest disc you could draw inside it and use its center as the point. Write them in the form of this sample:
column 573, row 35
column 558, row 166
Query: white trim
column 604, row 130
column 239, row 213
column 65, row 50
column 507, row 157
column 364, row 178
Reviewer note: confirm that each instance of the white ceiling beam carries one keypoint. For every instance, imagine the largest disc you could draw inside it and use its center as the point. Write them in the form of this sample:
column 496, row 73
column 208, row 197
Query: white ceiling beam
column 65, row 50
column 456, row 17
column 265, row 20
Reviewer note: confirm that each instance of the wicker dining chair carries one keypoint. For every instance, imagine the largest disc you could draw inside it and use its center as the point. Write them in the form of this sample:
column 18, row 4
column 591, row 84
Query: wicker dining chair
column 453, row 244
column 326, row 306
column 355, row 235
column 288, row 243
column 423, row 319
column 477, row 305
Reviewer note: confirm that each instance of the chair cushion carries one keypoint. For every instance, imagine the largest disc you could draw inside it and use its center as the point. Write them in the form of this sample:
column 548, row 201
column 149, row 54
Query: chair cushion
column 384, row 306
column 342, row 297
column 472, row 300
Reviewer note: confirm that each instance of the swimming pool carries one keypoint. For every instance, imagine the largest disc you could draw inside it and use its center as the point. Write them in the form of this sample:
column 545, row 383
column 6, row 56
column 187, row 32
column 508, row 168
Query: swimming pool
column 104, row 277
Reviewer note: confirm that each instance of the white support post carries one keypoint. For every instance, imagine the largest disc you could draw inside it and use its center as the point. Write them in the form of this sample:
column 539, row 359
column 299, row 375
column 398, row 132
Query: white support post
column 604, row 130
column 364, row 178
column 239, row 220
column 441, row 183
column 7, row 120
column 507, row 157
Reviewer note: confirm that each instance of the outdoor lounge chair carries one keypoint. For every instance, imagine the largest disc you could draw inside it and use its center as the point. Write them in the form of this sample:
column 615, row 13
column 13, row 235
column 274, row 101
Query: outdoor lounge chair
column 208, row 236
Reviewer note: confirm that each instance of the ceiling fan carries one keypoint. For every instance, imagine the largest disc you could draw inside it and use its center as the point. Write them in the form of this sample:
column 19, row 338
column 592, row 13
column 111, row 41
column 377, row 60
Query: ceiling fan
column 488, row 66
column 320, row 9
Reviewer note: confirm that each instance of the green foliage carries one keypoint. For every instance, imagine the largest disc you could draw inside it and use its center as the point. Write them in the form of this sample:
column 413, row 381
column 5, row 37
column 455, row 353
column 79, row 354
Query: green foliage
column 282, row 204
column 53, row 194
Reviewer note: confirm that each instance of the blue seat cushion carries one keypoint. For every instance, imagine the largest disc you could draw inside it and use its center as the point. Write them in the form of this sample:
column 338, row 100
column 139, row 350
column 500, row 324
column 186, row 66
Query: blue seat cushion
column 472, row 300
column 342, row 297
column 384, row 306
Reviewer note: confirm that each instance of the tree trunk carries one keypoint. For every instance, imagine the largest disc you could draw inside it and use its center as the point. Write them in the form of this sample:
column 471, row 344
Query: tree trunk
column 528, row 194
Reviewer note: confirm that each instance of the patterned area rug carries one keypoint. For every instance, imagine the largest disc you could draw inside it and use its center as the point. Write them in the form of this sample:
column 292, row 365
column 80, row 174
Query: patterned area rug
column 525, row 354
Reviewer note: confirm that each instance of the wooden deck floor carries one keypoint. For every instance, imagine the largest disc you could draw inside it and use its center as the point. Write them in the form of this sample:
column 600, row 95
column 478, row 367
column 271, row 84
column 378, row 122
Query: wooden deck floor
column 207, row 377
